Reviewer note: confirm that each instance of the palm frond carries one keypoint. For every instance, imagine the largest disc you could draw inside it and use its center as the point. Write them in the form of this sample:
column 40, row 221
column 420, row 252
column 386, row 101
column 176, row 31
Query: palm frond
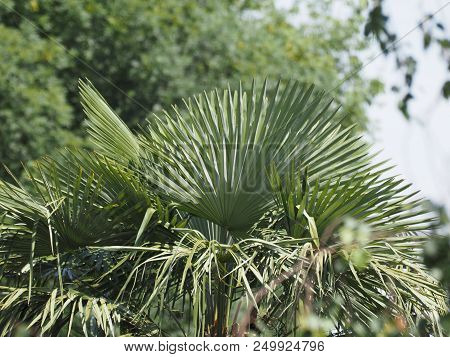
column 70, row 314
column 107, row 131
column 240, row 205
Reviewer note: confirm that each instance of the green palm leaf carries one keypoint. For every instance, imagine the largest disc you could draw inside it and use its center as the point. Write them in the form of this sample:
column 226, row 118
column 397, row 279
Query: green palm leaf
column 239, row 203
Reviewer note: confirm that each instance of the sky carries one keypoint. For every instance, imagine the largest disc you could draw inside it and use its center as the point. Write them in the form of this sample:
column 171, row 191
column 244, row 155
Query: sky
column 420, row 147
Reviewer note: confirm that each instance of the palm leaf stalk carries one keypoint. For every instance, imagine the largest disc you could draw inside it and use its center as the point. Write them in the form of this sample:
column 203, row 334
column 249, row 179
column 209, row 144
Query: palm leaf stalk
column 243, row 211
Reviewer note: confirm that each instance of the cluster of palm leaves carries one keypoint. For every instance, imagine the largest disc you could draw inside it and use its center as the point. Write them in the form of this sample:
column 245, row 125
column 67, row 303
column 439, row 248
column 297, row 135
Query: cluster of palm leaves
column 243, row 211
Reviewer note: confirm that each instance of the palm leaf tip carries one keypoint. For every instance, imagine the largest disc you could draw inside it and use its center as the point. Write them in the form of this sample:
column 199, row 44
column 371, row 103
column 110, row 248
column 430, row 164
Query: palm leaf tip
column 107, row 131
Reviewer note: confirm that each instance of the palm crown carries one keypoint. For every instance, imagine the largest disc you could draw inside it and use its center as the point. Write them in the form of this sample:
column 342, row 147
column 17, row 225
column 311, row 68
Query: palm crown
column 241, row 209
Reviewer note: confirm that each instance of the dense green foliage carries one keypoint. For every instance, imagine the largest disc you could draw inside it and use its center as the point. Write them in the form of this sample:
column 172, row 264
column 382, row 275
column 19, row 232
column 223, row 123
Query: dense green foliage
column 33, row 107
column 145, row 55
column 243, row 212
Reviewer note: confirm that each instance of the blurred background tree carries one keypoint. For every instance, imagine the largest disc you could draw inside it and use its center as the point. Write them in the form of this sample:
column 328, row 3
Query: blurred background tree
column 34, row 112
column 156, row 52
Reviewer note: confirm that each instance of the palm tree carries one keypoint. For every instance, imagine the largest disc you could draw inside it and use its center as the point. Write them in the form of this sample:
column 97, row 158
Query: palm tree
column 244, row 211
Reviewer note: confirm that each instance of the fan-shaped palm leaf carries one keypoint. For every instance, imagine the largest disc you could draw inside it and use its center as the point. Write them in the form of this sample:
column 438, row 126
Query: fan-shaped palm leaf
column 238, row 202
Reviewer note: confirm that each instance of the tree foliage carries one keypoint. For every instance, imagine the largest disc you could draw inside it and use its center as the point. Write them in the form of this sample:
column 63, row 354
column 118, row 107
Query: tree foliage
column 146, row 55
column 34, row 112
